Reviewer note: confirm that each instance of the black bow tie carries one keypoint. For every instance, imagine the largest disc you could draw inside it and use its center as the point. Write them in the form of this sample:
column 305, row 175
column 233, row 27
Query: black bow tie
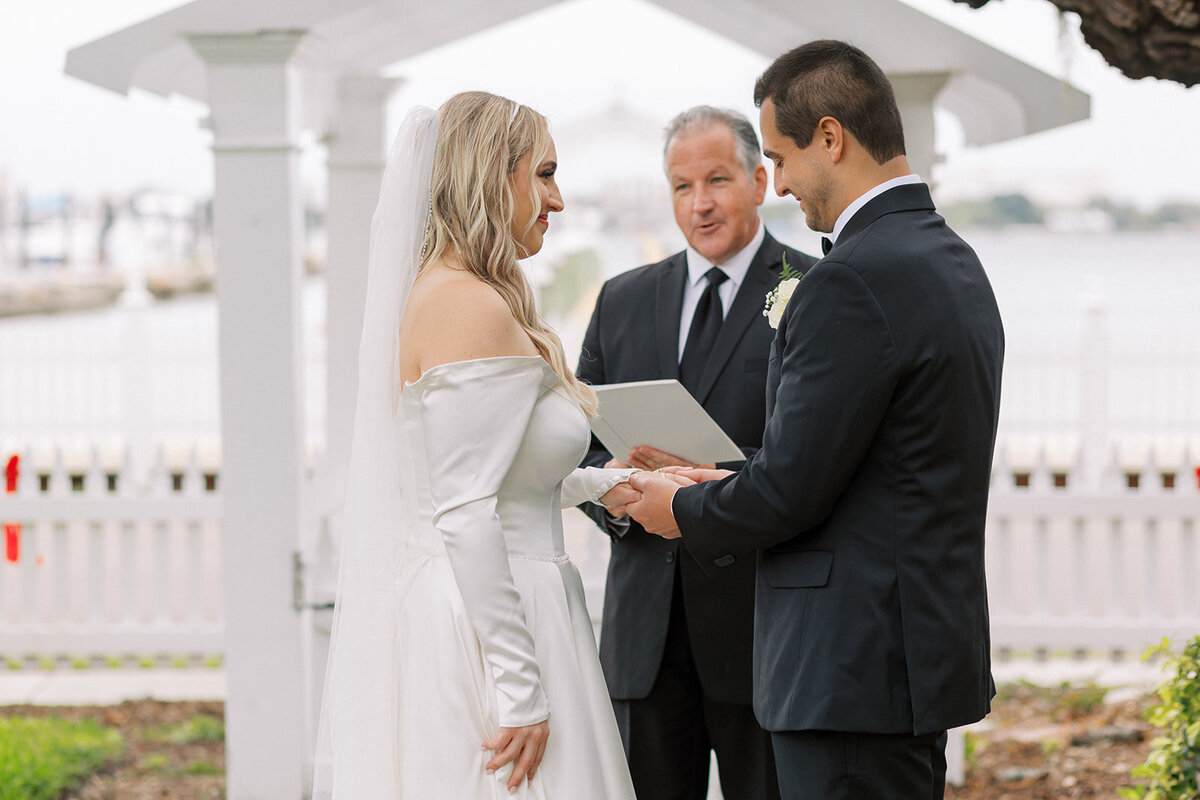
column 826, row 245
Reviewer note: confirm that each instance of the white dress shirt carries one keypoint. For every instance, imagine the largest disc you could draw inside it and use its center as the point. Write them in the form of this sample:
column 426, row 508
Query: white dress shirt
column 735, row 267
column 871, row 194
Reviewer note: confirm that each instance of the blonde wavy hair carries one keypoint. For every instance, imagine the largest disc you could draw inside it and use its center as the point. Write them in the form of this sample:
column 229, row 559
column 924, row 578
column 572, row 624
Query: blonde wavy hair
column 481, row 138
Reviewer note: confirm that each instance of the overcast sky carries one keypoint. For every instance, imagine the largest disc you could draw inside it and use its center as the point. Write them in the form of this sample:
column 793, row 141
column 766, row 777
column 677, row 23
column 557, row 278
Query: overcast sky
column 59, row 134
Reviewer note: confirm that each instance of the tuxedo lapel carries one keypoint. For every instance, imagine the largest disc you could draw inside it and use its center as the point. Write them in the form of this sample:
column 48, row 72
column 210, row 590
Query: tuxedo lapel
column 668, row 305
column 747, row 306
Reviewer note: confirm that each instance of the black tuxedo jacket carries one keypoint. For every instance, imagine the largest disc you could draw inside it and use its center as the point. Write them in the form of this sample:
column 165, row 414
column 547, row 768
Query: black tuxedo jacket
column 634, row 336
column 868, row 497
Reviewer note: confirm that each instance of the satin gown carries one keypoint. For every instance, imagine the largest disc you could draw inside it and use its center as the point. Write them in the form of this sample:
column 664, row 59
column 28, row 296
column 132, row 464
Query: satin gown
column 492, row 623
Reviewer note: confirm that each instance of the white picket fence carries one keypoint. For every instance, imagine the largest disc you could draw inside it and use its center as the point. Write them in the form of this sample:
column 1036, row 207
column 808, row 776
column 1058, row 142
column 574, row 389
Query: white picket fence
column 108, row 569
column 1088, row 570
column 103, row 569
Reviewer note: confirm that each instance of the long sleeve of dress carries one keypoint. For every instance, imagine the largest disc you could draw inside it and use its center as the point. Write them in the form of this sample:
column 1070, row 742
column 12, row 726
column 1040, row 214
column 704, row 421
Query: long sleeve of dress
column 476, row 413
column 589, row 484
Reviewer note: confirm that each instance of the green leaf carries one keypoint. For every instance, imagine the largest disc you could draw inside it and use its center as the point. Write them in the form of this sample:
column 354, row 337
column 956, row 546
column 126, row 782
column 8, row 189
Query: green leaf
column 787, row 273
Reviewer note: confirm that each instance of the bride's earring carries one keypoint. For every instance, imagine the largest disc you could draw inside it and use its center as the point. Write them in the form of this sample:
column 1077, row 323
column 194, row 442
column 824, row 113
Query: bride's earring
column 428, row 222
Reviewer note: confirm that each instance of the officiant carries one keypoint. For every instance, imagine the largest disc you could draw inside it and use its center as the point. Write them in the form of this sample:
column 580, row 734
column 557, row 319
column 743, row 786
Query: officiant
column 675, row 644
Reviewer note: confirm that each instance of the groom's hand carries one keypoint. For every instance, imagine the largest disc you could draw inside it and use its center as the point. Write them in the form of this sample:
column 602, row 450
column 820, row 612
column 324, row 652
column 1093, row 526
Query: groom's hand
column 701, row 474
column 653, row 511
column 650, row 459
column 618, row 497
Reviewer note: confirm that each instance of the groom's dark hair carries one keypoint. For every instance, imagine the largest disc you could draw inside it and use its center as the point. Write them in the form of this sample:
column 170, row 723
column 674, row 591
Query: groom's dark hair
column 828, row 78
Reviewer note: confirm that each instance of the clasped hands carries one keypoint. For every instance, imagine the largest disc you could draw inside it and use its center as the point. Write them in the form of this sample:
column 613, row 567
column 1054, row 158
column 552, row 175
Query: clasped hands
column 647, row 495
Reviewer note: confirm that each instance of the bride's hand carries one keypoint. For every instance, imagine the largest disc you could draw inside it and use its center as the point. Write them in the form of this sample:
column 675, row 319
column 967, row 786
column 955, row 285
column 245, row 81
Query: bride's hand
column 526, row 745
column 618, row 497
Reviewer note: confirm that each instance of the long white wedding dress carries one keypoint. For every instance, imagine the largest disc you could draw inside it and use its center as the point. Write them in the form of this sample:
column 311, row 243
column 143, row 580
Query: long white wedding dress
column 490, row 619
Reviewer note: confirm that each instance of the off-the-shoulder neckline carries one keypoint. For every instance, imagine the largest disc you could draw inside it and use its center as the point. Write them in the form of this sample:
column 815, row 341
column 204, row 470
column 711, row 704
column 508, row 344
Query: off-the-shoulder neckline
column 436, row 368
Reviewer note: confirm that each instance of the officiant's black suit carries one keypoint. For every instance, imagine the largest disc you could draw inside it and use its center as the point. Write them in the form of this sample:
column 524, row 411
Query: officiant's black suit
column 867, row 500
column 653, row 584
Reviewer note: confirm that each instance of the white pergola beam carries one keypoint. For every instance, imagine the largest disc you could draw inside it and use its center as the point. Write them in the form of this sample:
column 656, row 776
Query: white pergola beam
column 367, row 35
column 1018, row 99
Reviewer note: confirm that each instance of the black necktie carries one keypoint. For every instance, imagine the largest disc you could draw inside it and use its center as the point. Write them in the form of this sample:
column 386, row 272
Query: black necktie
column 826, row 245
column 706, row 324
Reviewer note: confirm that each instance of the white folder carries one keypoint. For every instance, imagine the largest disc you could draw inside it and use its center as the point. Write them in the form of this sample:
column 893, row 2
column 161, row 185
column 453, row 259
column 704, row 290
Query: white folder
column 662, row 415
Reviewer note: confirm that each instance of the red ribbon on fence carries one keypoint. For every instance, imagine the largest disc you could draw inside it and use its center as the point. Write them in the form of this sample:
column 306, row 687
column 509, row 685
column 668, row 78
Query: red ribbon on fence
column 12, row 530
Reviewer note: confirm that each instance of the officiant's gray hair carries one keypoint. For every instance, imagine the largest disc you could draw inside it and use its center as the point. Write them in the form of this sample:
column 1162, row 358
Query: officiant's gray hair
column 698, row 117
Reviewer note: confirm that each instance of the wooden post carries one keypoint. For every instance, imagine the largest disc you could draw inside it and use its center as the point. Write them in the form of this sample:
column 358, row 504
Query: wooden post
column 915, row 95
column 258, row 225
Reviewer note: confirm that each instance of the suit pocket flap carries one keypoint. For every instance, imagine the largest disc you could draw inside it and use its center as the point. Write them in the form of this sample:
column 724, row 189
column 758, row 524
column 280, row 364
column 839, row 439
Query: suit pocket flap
column 799, row 569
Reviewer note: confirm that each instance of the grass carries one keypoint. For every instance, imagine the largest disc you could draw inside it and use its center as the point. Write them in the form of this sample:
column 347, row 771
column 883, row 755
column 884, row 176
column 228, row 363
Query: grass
column 200, row 728
column 49, row 664
column 41, row 758
column 155, row 762
column 202, row 768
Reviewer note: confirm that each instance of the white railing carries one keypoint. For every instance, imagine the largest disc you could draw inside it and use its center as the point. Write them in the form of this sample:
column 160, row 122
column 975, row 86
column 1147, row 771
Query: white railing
column 107, row 568
column 1108, row 567
column 104, row 569
column 1082, row 559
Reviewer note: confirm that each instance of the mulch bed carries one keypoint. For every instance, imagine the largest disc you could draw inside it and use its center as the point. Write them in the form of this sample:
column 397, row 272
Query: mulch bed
column 1055, row 744
column 1038, row 744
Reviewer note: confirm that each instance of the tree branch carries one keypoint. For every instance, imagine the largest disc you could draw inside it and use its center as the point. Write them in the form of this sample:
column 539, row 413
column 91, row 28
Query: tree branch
column 1142, row 38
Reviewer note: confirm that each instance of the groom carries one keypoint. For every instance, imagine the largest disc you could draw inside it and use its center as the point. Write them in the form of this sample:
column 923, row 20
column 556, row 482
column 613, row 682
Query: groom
column 867, row 500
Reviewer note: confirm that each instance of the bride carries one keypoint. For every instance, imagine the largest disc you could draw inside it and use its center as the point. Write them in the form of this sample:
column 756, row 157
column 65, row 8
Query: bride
column 463, row 663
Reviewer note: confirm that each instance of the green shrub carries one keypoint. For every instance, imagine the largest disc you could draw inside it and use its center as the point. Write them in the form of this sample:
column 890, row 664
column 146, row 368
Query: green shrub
column 1172, row 770
column 1080, row 699
column 973, row 747
column 40, row 758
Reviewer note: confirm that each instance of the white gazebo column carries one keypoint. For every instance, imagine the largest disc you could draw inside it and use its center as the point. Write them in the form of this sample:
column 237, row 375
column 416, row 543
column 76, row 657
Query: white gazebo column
column 915, row 94
column 357, row 157
column 258, row 225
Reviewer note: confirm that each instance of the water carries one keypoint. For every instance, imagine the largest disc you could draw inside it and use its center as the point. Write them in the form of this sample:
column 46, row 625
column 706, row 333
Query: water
column 132, row 372
column 148, row 374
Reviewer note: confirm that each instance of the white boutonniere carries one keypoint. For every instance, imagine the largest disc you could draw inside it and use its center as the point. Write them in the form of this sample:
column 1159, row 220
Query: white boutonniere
column 777, row 298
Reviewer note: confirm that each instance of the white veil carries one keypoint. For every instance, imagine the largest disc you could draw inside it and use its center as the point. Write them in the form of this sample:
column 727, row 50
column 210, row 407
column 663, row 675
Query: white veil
column 357, row 756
